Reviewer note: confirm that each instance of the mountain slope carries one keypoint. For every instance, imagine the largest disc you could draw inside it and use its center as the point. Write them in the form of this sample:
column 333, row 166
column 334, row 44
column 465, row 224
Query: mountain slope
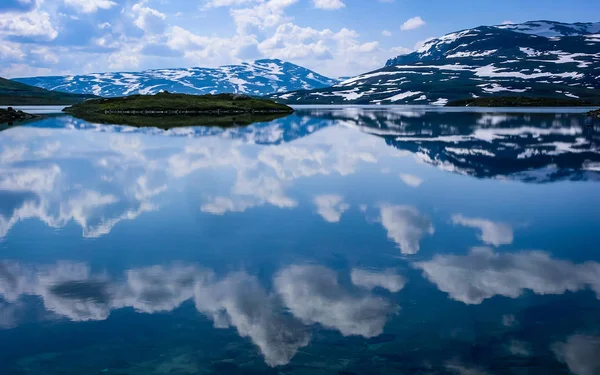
column 541, row 58
column 15, row 93
column 260, row 77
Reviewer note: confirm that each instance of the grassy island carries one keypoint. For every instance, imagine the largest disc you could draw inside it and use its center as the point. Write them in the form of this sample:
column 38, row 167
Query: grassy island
column 518, row 101
column 167, row 110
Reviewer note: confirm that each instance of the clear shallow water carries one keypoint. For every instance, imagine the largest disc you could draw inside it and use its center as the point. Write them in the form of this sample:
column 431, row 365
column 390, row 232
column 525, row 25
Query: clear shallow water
column 333, row 241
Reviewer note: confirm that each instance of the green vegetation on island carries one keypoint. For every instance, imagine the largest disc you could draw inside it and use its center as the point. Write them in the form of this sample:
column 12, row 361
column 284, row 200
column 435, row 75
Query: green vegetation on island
column 518, row 101
column 16, row 93
column 167, row 110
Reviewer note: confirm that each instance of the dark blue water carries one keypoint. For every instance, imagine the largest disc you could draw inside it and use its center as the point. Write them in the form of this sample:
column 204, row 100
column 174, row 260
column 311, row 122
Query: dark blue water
column 332, row 241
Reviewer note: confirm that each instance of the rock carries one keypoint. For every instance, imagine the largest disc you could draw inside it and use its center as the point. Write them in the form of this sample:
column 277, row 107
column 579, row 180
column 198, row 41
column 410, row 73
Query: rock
column 595, row 113
column 10, row 116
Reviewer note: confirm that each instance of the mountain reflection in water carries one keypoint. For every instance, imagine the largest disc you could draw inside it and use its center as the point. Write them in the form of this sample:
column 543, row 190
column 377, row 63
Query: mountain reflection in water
column 344, row 240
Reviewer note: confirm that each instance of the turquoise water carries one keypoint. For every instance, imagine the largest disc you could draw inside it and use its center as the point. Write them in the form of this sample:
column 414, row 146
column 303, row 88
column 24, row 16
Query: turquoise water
column 332, row 241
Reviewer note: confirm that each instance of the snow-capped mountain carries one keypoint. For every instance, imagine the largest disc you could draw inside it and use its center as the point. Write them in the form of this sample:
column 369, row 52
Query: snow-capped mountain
column 260, row 77
column 540, row 58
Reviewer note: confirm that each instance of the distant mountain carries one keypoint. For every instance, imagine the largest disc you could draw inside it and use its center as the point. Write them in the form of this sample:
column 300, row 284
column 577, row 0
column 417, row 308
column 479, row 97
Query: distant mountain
column 15, row 93
column 260, row 77
column 541, row 58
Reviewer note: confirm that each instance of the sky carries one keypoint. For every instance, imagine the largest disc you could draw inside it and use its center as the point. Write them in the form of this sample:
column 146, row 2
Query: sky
column 333, row 37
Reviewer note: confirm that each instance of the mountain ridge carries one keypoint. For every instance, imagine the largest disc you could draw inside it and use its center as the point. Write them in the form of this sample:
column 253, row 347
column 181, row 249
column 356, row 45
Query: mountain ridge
column 259, row 77
column 483, row 61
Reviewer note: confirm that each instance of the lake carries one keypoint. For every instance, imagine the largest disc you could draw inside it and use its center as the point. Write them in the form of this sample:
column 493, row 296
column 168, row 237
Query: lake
column 359, row 240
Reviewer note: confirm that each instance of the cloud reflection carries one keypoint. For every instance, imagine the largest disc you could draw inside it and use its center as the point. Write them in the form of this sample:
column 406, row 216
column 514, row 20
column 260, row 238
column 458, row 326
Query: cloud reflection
column 331, row 207
column 277, row 322
column 580, row 353
column 314, row 294
column 406, row 226
column 492, row 233
column 483, row 274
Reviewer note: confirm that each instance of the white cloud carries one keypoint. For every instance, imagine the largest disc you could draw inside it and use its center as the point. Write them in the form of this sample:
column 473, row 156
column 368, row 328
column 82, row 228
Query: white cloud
column 398, row 51
column 370, row 280
column 507, row 22
column 11, row 51
column 266, row 14
column 483, row 274
column 406, row 226
column 226, row 3
column 492, row 233
column 412, row 23
column 90, row 6
column 148, row 19
column 331, row 207
column 580, row 353
column 386, row 33
column 34, row 25
column 411, row 180
column 314, row 295
column 328, row 4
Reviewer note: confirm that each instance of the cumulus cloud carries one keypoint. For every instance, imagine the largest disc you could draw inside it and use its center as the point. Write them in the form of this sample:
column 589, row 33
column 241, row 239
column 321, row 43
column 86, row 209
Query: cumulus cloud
column 264, row 15
column 580, row 353
column 483, row 274
column 412, row 23
column 90, row 6
column 328, row 4
column 263, row 29
column 148, row 19
column 35, row 25
column 492, row 233
column 226, row 3
column 313, row 294
column 331, row 207
column 370, row 280
column 406, row 226
column 386, row 33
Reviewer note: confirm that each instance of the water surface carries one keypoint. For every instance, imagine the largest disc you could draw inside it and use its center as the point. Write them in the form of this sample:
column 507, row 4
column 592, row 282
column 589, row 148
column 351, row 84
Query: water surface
column 333, row 241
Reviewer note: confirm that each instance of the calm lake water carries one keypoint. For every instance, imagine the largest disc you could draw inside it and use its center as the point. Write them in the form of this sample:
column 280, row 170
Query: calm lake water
column 332, row 241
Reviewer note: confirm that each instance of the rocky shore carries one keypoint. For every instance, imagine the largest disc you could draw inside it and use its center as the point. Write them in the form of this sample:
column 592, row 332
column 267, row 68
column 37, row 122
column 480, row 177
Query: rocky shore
column 10, row 116
column 595, row 113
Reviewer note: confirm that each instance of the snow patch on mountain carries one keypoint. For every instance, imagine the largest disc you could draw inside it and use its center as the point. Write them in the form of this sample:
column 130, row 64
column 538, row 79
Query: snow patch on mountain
column 259, row 77
column 538, row 58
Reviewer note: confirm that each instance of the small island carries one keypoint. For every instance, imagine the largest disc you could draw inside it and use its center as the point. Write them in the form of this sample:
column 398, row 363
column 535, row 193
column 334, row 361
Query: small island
column 10, row 116
column 167, row 110
column 518, row 101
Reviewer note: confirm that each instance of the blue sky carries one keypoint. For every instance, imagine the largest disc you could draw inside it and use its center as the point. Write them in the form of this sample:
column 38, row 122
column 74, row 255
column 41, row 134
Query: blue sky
column 333, row 37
